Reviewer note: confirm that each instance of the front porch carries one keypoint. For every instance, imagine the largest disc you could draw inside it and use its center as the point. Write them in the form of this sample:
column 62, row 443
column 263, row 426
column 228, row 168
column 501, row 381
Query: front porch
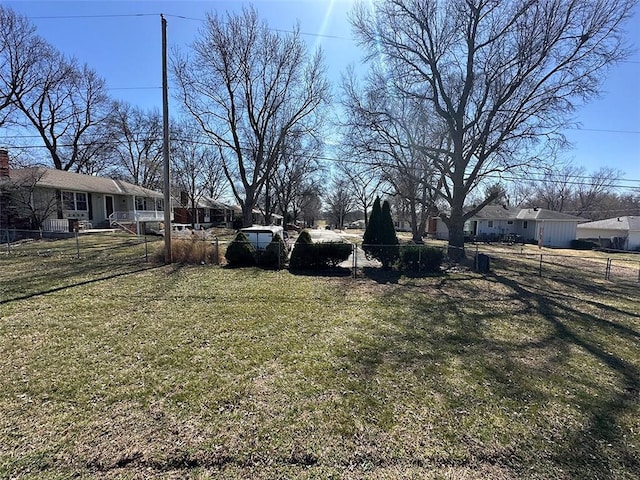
column 134, row 218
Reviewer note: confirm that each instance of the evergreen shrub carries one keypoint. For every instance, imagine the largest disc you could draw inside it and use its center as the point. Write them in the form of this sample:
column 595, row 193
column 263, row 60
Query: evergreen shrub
column 240, row 252
column 301, row 255
column 380, row 240
column 275, row 255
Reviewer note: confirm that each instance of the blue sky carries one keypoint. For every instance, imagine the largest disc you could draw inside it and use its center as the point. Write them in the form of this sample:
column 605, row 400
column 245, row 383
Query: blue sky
column 126, row 51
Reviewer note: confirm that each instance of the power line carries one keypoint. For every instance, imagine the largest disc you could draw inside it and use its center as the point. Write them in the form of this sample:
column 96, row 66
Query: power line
column 108, row 15
column 182, row 17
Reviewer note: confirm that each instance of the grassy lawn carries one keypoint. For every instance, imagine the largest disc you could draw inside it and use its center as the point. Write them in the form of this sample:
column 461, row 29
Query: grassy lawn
column 114, row 368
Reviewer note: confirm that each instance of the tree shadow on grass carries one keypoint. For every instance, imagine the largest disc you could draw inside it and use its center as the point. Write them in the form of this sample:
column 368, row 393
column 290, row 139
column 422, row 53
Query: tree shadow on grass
column 528, row 358
column 80, row 274
column 321, row 272
column 601, row 438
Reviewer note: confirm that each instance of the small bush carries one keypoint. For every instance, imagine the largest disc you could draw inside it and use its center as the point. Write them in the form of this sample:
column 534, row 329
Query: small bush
column 581, row 244
column 190, row 251
column 275, row 255
column 240, row 252
column 420, row 258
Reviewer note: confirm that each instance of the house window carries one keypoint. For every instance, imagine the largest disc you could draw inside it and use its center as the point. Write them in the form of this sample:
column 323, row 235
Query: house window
column 490, row 223
column 525, row 224
column 75, row 201
column 159, row 205
column 510, row 222
column 141, row 203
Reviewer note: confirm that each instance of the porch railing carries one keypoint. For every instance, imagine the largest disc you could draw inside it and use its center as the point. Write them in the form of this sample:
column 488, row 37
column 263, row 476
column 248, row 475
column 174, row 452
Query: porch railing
column 137, row 216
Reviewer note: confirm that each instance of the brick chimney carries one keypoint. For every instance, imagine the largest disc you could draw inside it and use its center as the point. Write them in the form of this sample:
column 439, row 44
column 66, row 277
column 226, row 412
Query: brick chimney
column 4, row 163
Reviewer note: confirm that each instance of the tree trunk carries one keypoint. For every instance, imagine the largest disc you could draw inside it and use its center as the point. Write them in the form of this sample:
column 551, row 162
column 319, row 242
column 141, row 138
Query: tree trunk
column 247, row 208
column 456, row 235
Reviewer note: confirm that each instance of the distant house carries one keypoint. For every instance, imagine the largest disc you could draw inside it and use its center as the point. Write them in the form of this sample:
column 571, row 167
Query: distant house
column 208, row 213
column 495, row 222
column 620, row 232
column 61, row 201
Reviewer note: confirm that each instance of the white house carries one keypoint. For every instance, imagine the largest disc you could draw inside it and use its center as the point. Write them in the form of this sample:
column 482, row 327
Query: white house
column 494, row 222
column 626, row 229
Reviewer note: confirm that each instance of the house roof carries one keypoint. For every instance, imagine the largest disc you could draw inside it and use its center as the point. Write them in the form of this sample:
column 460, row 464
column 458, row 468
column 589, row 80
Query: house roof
column 501, row 212
column 544, row 214
column 497, row 212
column 63, row 180
column 628, row 223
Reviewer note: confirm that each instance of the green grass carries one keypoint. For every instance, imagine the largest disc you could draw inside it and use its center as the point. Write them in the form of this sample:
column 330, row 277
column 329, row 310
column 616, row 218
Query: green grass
column 207, row 372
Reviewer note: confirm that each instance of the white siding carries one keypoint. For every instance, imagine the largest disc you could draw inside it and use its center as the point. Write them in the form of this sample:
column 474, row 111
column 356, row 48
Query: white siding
column 442, row 232
column 599, row 233
column 556, row 234
column 634, row 241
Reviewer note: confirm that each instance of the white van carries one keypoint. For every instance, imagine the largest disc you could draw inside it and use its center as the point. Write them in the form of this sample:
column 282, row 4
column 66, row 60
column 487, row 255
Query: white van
column 260, row 235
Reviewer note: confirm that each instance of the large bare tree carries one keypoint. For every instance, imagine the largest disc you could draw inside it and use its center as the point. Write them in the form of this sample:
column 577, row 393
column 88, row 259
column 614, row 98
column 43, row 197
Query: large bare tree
column 68, row 108
column 500, row 79
column 20, row 48
column 248, row 87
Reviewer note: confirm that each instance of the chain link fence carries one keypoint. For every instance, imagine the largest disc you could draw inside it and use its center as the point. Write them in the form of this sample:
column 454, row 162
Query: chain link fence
column 124, row 249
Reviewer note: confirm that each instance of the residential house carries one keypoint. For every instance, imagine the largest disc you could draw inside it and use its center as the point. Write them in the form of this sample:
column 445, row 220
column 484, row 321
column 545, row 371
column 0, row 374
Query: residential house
column 618, row 232
column 496, row 222
column 61, row 201
column 208, row 213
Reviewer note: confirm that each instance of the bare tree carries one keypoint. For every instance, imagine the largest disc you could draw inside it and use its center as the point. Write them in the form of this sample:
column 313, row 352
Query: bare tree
column 28, row 201
column 555, row 190
column 570, row 189
column 67, row 108
column 339, row 201
column 196, row 167
column 296, row 173
column 248, row 87
column 136, row 136
column 384, row 132
column 593, row 190
column 309, row 205
column 364, row 182
column 497, row 77
column 20, row 49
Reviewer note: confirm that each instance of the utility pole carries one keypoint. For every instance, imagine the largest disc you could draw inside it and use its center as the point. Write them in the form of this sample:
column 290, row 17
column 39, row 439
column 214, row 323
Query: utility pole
column 168, row 257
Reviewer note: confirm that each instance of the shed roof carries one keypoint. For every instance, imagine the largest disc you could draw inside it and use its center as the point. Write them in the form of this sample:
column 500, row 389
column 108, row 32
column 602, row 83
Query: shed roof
column 627, row 223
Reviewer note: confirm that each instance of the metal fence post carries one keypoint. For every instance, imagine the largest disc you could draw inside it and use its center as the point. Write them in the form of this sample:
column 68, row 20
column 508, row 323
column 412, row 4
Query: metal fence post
column 217, row 251
column 540, row 269
column 607, row 271
column 77, row 244
column 354, row 261
column 146, row 249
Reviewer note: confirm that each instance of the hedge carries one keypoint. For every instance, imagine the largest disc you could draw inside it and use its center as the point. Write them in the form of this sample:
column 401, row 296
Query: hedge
column 420, row 258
